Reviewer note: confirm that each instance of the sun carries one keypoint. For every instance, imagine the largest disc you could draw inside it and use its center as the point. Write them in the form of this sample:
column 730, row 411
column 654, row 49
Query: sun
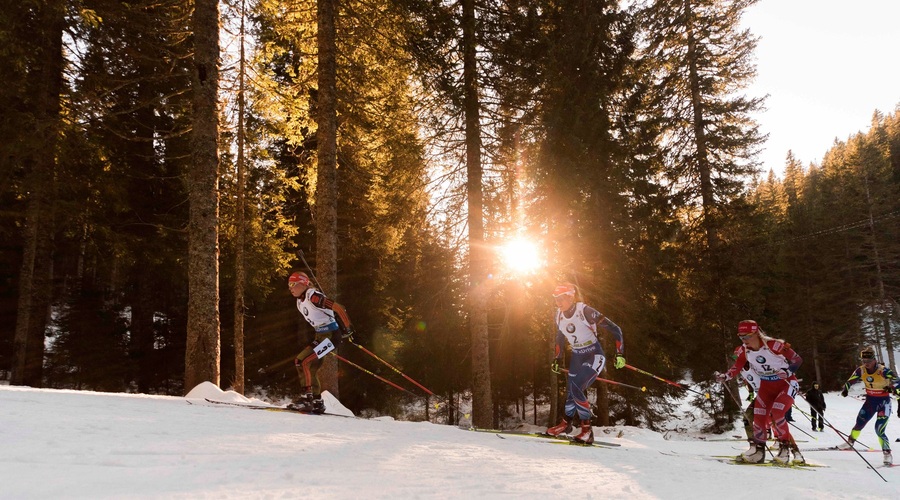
column 520, row 256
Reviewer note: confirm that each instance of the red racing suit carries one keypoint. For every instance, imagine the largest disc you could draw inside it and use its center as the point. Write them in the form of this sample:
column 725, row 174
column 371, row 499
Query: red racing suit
column 774, row 363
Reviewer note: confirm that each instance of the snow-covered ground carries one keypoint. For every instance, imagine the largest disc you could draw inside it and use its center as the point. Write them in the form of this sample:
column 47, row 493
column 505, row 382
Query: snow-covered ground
column 70, row 444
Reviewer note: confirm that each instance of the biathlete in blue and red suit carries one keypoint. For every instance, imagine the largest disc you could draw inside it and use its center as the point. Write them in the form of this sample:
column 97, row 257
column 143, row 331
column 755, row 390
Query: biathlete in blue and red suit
column 774, row 363
column 576, row 324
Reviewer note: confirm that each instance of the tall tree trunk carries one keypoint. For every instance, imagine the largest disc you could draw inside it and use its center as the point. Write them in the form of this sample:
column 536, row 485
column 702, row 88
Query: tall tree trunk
column 142, row 334
column 326, row 177
column 239, row 278
column 35, row 276
column 478, row 291
column 702, row 158
column 203, row 350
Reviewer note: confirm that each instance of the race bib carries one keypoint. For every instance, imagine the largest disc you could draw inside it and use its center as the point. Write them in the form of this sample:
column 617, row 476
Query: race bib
column 323, row 348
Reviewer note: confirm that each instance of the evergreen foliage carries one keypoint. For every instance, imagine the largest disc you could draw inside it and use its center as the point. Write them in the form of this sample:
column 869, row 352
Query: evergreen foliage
column 619, row 140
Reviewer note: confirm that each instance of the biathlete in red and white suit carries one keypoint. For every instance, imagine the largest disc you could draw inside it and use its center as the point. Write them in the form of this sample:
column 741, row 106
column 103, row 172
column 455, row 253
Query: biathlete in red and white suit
column 576, row 324
column 774, row 363
column 331, row 323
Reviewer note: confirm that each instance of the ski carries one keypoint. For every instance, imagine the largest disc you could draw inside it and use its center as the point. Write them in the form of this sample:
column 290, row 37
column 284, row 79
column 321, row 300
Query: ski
column 251, row 406
column 835, row 448
column 792, row 465
column 554, row 439
column 718, row 440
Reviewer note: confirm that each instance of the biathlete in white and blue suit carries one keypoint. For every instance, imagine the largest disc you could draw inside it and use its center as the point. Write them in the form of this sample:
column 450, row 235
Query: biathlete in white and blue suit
column 576, row 324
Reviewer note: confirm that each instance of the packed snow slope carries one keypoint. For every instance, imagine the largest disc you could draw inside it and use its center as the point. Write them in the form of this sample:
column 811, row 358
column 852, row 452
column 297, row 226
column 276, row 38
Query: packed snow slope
column 70, row 444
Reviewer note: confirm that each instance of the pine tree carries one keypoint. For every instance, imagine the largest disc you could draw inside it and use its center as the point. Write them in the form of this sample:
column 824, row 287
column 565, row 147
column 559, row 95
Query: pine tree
column 703, row 59
column 203, row 353
column 45, row 77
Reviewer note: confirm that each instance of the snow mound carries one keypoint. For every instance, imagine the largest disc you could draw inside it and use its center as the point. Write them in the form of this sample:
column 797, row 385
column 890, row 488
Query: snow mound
column 332, row 405
column 209, row 390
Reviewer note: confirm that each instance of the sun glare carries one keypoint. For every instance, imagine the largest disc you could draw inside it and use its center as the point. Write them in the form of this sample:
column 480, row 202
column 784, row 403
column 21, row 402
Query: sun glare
column 520, row 256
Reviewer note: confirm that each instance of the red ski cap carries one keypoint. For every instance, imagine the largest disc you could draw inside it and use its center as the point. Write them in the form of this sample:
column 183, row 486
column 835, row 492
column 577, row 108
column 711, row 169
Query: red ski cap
column 298, row 278
column 747, row 326
column 564, row 289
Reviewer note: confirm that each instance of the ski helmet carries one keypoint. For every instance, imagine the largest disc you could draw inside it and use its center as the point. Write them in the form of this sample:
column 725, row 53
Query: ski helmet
column 564, row 289
column 298, row 278
column 867, row 353
column 747, row 326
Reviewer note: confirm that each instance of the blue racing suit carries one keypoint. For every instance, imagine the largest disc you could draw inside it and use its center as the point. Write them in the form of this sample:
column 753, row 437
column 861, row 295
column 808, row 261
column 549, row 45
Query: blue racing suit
column 578, row 327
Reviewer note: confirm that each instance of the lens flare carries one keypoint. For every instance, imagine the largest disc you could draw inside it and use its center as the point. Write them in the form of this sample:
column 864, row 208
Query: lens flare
column 520, row 256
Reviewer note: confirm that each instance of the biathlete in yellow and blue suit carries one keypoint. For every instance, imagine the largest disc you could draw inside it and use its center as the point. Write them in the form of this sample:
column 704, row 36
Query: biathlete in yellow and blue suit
column 881, row 383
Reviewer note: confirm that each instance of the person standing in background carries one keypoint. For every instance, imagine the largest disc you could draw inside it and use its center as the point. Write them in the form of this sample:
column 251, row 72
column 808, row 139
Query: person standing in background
column 816, row 401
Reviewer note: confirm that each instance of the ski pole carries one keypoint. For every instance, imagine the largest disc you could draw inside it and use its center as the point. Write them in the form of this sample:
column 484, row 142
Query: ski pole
column 311, row 273
column 370, row 353
column 837, row 430
column 737, row 401
column 792, row 443
column 386, row 381
column 613, row 382
column 407, row 377
column 849, row 444
column 801, row 430
column 808, row 417
column 676, row 384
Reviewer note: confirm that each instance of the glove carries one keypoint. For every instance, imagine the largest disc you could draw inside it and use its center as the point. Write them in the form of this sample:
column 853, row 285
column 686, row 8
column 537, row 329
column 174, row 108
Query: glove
column 784, row 374
column 554, row 366
column 720, row 377
column 348, row 334
column 751, row 396
column 620, row 362
column 844, row 392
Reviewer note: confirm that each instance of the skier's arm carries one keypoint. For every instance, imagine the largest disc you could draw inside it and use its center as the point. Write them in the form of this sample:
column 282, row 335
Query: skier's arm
column 892, row 378
column 856, row 377
column 560, row 346
column 790, row 355
column 593, row 316
column 319, row 300
column 738, row 363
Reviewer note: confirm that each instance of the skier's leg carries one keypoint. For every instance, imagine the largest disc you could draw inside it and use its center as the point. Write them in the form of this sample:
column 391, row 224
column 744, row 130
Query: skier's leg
column 586, row 371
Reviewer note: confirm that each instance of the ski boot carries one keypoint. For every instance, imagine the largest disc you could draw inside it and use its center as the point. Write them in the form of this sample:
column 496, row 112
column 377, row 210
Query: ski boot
column 304, row 403
column 563, row 427
column 755, row 455
column 586, row 436
column 784, row 453
column 318, row 406
column 845, row 446
column 888, row 459
column 798, row 457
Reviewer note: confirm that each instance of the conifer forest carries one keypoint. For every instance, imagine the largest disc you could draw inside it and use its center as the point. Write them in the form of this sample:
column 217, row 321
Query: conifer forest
column 165, row 166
